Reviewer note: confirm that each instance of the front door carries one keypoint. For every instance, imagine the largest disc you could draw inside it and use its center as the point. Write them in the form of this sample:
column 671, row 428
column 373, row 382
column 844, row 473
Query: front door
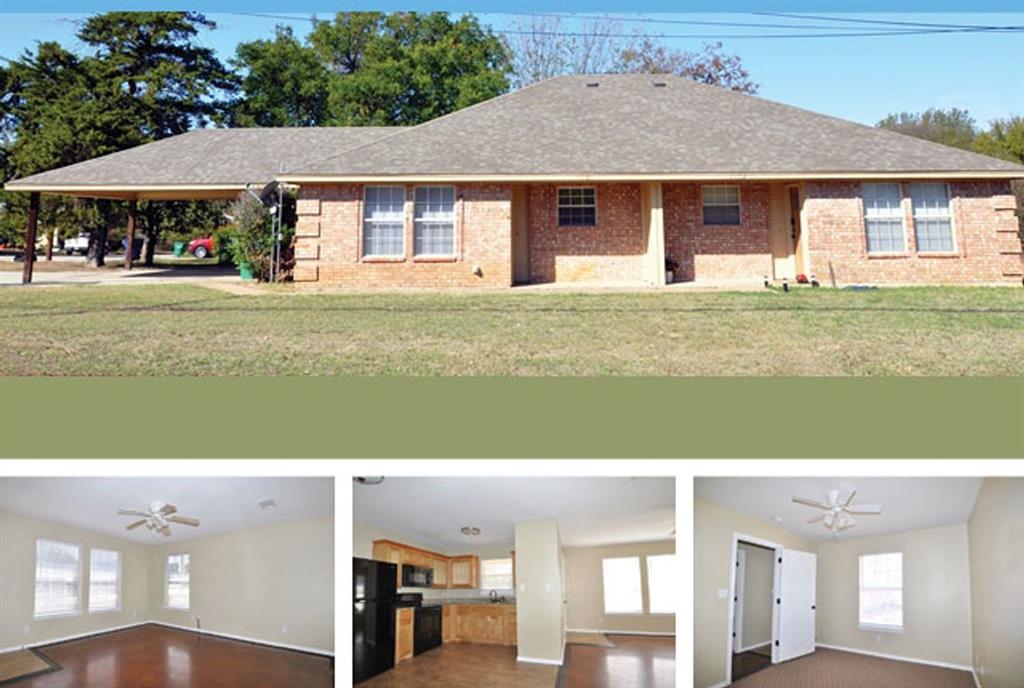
column 796, row 573
column 795, row 229
column 520, row 235
column 783, row 263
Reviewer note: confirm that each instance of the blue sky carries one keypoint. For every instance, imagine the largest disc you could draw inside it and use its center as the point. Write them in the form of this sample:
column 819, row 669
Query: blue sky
column 861, row 79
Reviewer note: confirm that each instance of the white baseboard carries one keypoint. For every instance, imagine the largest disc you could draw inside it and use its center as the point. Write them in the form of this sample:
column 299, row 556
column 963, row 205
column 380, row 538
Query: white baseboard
column 977, row 681
column 244, row 639
column 721, row 684
column 604, row 630
column 68, row 638
column 536, row 660
column 912, row 660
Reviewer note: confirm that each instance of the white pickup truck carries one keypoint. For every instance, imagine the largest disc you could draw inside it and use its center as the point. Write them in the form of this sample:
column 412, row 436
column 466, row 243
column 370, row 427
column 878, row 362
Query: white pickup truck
column 77, row 244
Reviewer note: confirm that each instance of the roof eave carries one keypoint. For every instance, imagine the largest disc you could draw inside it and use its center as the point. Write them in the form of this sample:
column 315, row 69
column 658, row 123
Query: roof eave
column 132, row 191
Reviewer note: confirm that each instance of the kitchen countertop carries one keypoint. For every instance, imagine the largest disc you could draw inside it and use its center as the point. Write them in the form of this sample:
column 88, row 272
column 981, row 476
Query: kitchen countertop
column 475, row 601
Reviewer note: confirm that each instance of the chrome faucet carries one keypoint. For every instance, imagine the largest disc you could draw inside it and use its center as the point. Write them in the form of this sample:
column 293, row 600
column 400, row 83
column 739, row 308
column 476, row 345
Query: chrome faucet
column 494, row 596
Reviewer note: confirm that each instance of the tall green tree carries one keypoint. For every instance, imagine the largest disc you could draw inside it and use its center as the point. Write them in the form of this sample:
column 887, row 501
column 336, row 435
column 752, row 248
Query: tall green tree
column 953, row 127
column 1004, row 139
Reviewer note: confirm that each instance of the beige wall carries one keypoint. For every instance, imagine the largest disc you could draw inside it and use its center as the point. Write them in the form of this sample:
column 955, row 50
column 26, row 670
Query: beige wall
column 758, row 581
column 714, row 526
column 996, row 534
column 274, row 583
column 585, row 592
column 540, row 613
column 18, row 535
column 936, row 595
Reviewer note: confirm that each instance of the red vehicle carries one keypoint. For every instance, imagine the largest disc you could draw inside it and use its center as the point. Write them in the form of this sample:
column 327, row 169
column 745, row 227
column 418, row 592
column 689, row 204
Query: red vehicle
column 201, row 248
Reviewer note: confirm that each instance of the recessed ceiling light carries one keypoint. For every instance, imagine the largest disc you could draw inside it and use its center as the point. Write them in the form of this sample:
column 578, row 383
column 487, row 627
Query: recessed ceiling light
column 368, row 480
column 777, row 519
column 470, row 530
column 267, row 504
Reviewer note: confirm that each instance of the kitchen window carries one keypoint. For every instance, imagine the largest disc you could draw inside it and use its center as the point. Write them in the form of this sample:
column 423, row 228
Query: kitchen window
column 58, row 579
column 577, row 206
column 933, row 224
column 622, row 590
column 384, row 222
column 881, row 591
column 177, row 591
column 496, row 574
column 883, row 218
column 662, row 582
column 104, row 580
column 721, row 205
column 434, row 221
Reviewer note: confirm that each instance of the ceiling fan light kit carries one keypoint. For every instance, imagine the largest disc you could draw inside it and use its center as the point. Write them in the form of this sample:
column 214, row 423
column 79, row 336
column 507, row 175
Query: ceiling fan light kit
column 838, row 512
column 158, row 518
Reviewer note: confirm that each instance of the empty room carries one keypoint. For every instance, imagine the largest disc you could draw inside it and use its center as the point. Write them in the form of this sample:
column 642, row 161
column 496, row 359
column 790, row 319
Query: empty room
column 166, row 582
column 510, row 582
column 859, row 582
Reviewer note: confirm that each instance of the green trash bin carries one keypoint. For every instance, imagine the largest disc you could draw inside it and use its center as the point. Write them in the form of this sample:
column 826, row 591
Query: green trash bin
column 245, row 271
column 179, row 248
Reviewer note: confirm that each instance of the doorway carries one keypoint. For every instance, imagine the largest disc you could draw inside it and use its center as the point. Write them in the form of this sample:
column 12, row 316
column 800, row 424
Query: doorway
column 752, row 611
column 520, row 234
column 787, row 242
column 796, row 229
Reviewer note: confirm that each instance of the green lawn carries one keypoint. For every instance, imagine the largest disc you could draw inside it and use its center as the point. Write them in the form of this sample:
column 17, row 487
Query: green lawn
column 192, row 330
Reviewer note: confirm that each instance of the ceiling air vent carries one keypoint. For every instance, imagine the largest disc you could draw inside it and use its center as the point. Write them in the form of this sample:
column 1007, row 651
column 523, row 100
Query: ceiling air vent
column 592, row 84
column 660, row 84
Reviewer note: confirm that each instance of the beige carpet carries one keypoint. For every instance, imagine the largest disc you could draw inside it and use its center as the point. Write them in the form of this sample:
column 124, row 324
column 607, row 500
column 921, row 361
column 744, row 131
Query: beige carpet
column 599, row 639
column 834, row 669
column 20, row 663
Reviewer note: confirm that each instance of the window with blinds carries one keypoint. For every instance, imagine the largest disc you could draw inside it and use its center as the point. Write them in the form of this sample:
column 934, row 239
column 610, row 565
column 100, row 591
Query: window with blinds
column 177, row 581
column 58, row 579
column 933, row 224
column 883, row 218
column 384, row 221
column 721, row 205
column 622, row 593
column 434, row 221
column 496, row 574
column 662, row 583
column 881, row 591
column 104, row 580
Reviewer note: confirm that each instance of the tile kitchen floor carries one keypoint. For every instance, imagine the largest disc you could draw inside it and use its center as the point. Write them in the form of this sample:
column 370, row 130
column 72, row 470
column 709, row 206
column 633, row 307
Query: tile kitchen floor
column 465, row 665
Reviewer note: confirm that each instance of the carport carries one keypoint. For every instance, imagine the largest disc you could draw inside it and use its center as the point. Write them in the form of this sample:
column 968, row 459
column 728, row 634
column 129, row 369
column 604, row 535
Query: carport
column 201, row 165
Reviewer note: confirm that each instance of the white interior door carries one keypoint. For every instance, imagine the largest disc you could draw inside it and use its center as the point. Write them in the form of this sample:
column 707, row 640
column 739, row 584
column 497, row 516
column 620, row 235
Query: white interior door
column 796, row 602
column 738, row 585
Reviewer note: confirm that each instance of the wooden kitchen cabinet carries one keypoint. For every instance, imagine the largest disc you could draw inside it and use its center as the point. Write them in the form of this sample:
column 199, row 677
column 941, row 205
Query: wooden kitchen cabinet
column 440, row 566
column 483, row 623
column 403, row 634
column 465, row 572
column 447, row 624
column 386, row 551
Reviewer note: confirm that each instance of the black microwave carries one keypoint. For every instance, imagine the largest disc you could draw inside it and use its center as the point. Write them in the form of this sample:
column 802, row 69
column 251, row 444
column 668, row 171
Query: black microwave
column 417, row 577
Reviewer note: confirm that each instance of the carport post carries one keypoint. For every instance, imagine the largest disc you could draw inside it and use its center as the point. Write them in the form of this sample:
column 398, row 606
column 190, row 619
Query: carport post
column 129, row 252
column 30, row 238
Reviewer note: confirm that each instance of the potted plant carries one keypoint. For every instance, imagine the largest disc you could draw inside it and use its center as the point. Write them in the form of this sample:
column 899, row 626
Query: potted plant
column 671, row 266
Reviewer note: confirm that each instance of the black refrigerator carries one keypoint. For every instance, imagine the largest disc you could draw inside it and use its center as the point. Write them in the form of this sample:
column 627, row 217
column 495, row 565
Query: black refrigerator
column 374, row 585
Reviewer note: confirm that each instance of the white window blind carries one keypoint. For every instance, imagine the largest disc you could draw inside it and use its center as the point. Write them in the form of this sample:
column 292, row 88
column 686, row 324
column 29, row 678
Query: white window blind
column 496, row 574
column 662, row 583
column 177, row 581
column 434, row 221
column 622, row 593
column 933, row 226
column 58, row 579
column 104, row 580
column 883, row 218
column 881, row 590
column 384, row 221
column 721, row 205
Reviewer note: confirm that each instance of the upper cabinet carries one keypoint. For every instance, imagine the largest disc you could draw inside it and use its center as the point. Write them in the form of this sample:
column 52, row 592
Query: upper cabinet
column 465, row 572
column 449, row 572
column 440, row 565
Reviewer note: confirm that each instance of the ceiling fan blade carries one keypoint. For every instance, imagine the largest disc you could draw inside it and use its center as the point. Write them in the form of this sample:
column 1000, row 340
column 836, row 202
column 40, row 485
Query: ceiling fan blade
column 129, row 512
column 865, row 509
column 168, row 509
column 810, row 502
column 165, row 531
column 135, row 525
column 853, row 493
column 816, row 519
column 184, row 520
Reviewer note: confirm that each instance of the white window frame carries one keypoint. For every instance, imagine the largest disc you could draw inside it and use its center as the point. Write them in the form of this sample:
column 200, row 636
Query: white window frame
column 167, row 582
column 902, row 217
column 640, row 580
column 869, row 626
column 952, row 221
column 483, row 582
column 117, row 585
column 77, row 611
column 559, row 206
column 739, row 205
column 650, row 589
column 416, row 222
column 366, row 221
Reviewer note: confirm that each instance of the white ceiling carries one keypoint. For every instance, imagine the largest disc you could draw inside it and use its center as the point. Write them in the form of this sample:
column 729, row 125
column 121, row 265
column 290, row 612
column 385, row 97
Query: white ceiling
column 221, row 504
column 908, row 503
column 589, row 511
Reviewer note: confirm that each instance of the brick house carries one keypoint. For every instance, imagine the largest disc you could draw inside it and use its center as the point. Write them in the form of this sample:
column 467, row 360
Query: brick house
column 605, row 180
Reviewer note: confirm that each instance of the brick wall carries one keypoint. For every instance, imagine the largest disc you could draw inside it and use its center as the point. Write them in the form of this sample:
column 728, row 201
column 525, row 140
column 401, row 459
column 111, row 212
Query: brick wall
column 328, row 241
column 611, row 252
column 717, row 252
column 984, row 230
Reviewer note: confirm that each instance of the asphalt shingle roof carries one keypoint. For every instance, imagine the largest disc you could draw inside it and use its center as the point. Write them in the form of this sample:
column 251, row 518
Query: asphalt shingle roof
column 643, row 124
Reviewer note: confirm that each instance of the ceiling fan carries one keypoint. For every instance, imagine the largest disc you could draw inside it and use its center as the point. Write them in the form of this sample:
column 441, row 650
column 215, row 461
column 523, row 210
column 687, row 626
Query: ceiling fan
column 158, row 518
column 838, row 513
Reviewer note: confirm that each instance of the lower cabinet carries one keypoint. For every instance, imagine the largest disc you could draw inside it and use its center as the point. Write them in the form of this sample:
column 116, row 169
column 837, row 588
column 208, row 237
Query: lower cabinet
column 480, row 623
column 403, row 634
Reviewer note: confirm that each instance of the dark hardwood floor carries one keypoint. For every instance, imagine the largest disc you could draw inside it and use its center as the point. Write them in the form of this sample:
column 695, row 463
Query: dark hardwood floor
column 746, row 663
column 159, row 657
column 634, row 662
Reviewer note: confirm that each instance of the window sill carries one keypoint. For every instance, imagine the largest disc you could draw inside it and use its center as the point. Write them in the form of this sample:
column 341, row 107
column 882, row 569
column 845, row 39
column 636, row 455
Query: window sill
column 881, row 629
column 736, row 226
column 177, row 609
column 382, row 259
column 938, row 254
column 62, row 615
column 594, row 226
column 434, row 259
column 105, row 611
column 625, row 614
column 887, row 256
